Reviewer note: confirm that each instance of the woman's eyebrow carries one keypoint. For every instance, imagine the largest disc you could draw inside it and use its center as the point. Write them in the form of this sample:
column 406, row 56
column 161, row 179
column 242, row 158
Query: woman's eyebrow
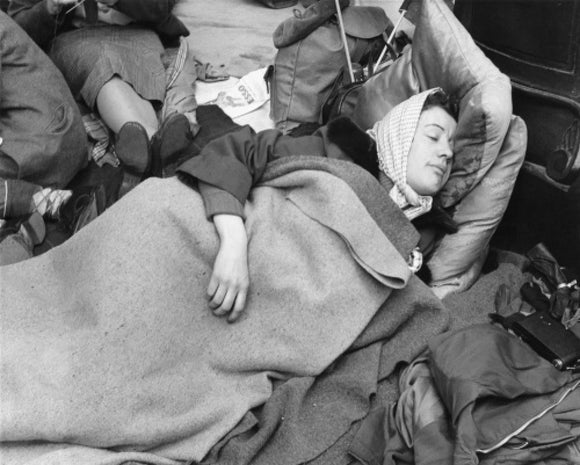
column 435, row 124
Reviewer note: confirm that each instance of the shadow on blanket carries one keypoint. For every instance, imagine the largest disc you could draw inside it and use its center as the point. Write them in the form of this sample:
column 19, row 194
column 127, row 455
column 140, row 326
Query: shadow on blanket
column 312, row 419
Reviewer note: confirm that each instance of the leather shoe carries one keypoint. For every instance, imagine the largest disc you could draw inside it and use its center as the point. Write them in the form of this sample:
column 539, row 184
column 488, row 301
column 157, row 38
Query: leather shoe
column 133, row 149
column 170, row 142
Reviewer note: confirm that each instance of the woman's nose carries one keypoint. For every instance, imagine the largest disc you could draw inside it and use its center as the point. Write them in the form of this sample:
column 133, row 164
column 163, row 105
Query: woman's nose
column 446, row 150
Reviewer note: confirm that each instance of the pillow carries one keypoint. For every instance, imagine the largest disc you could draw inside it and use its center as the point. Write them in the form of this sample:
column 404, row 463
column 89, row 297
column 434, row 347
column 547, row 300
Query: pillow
column 457, row 260
column 443, row 54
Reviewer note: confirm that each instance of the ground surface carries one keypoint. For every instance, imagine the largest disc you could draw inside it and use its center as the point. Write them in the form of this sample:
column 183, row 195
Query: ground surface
column 238, row 33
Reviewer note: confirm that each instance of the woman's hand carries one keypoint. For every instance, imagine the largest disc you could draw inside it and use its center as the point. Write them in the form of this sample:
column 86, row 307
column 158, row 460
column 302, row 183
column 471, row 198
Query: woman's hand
column 229, row 282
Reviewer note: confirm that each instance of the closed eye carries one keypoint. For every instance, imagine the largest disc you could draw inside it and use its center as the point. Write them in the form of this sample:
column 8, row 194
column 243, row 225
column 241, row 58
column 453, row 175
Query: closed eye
column 434, row 137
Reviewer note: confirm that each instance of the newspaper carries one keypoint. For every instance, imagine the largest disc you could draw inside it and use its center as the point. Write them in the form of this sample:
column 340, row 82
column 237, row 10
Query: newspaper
column 246, row 100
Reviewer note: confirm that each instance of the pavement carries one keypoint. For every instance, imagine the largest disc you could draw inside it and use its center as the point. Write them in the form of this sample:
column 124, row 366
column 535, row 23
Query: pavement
column 238, row 33
column 234, row 33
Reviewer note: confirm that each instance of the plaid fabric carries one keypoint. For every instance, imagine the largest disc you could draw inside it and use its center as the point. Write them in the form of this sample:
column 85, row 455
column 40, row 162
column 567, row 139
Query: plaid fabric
column 100, row 140
column 394, row 135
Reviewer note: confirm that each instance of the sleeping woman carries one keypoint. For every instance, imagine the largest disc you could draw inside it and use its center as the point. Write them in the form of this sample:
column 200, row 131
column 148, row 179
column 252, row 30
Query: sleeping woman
column 410, row 152
column 108, row 341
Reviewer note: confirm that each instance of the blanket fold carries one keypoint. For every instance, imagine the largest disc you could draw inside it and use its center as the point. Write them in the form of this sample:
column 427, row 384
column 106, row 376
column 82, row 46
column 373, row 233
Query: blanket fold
column 107, row 341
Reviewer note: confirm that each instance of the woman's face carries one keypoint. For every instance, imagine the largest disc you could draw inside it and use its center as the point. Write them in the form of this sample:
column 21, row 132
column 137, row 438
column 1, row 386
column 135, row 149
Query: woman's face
column 431, row 154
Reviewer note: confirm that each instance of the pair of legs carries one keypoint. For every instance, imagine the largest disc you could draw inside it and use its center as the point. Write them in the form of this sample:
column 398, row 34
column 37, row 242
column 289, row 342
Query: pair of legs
column 142, row 143
column 118, row 103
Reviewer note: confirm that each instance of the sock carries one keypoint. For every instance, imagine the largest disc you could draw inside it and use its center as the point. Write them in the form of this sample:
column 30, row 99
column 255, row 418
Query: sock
column 49, row 201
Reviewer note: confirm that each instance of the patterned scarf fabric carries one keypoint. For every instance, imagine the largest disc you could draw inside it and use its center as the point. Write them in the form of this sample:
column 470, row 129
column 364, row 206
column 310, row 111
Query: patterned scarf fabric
column 394, row 135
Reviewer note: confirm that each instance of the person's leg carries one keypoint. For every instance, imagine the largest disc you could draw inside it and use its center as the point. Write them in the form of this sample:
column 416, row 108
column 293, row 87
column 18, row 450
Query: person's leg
column 118, row 103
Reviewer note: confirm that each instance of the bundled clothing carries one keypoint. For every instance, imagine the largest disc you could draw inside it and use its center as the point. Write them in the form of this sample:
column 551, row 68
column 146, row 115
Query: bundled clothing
column 481, row 396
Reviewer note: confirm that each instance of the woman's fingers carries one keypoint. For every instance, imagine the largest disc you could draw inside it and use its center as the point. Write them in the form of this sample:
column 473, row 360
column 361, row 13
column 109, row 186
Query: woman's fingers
column 224, row 299
column 227, row 303
column 230, row 279
column 212, row 286
column 218, row 297
column 239, row 305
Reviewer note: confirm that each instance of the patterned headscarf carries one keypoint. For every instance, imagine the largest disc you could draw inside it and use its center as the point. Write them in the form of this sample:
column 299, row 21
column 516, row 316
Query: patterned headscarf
column 394, row 135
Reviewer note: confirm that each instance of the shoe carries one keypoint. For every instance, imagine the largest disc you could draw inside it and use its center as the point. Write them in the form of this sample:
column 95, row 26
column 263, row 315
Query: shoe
column 19, row 236
column 133, row 149
column 31, row 227
column 83, row 207
column 170, row 142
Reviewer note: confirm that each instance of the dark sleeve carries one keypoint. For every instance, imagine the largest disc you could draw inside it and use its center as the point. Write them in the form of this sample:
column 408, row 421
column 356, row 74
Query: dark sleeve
column 232, row 164
column 33, row 17
column 217, row 201
column 155, row 14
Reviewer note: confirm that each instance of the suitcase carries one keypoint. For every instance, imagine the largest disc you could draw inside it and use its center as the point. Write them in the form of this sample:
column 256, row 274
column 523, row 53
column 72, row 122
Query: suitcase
column 537, row 44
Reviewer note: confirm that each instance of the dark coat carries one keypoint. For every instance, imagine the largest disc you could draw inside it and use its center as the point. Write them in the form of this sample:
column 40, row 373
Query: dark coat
column 43, row 137
column 230, row 165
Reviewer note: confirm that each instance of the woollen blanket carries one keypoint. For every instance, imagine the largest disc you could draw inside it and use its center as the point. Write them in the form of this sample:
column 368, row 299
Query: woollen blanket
column 107, row 342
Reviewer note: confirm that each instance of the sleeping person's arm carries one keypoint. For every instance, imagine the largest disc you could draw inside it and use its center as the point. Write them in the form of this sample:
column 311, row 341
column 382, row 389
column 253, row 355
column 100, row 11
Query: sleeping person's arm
column 229, row 282
column 230, row 165
column 225, row 171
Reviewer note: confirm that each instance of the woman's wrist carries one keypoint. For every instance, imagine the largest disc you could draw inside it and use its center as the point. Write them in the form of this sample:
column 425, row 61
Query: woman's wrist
column 231, row 229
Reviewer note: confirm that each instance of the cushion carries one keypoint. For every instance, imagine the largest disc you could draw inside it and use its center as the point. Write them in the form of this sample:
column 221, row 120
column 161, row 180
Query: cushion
column 443, row 54
column 457, row 260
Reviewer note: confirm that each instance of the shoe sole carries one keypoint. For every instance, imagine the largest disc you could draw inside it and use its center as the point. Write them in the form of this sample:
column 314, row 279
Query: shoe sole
column 133, row 149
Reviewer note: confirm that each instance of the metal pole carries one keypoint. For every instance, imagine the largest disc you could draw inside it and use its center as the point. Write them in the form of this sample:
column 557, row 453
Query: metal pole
column 389, row 41
column 344, row 42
